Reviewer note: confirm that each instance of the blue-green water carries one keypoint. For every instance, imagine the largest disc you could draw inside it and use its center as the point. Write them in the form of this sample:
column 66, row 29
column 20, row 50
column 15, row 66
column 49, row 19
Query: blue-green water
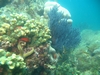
column 85, row 13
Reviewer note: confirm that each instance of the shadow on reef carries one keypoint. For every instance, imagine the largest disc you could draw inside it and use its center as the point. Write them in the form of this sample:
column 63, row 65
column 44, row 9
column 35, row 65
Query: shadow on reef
column 4, row 2
column 40, row 71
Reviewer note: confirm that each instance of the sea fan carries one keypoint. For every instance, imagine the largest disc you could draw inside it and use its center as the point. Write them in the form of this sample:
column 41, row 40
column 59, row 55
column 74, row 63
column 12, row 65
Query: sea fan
column 63, row 34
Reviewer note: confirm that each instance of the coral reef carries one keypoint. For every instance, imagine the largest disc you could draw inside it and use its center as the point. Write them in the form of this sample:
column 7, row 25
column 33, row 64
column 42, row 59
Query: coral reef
column 87, row 54
column 44, row 57
column 29, row 47
column 66, row 69
column 84, row 59
column 27, row 38
column 62, row 32
column 10, row 62
column 24, row 32
column 34, row 8
column 20, row 25
column 16, row 29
